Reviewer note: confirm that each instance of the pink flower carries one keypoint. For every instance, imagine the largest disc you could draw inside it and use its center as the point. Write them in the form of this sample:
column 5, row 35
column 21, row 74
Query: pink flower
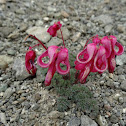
column 29, row 61
column 56, row 56
column 54, row 28
column 97, row 56
column 91, row 59
column 111, row 59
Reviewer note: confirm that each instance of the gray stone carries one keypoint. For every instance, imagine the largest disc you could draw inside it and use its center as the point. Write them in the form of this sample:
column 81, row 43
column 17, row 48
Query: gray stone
column 54, row 41
column 2, row 1
column 14, row 35
column 120, row 60
column 108, row 28
column 5, row 61
column 76, row 37
column 65, row 32
column 3, row 118
column 11, row 52
column 23, row 27
column 121, row 28
column 55, row 115
column 8, row 93
column 19, row 67
column 106, row 19
column 74, row 121
column 37, row 97
column 102, row 121
column 3, row 87
column 114, row 119
column 35, row 107
column 123, row 85
column 121, row 77
column 86, row 121
column 7, row 30
column 40, row 32
column 121, row 99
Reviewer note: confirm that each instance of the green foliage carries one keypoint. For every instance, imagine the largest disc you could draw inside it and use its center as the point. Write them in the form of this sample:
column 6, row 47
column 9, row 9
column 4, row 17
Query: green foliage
column 70, row 93
column 63, row 104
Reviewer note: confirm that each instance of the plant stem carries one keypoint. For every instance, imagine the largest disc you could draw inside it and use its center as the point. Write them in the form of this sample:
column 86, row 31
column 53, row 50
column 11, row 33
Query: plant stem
column 62, row 37
column 37, row 40
column 35, row 45
column 89, row 40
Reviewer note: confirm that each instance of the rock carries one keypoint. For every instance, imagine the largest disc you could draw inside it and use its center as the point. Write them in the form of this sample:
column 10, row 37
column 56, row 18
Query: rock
column 64, row 14
column 3, row 65
column 19, row 67
column 14, row 35
column 5, row 61
column 54, row 41
column 65, row 32
column 3, row 87
column 35, row 107
column 8, row 93
column 7, row 30
column 106, row 1
column 37, row 97
column 76, row 37
column 102, row 121
column 11, row 52
column 106, row 19
column 55, row 115
column 108, row 28
column 114, row 119
column 51, row 9
column 86, row 121
column 74, row 121
column 46, row 18
column 2, row 1
column 123, row 85
column 19, row 11
column 120, row 60
column 39, row 75
column 3, row 118
column 40, row 32
column 120, row 28
column 121, row 77
column 39, row 23
column 23, row 27
column 121, row 100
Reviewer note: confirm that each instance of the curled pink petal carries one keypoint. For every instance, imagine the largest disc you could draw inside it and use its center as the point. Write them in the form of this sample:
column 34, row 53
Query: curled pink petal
column 29, row 62
column 63, row 57
column 90, row 50
column 111, row 63
column 113, row 40
column 84, row 73
column 50, row 53
column 50, row 74
column 121, row 49
column 100, row 61
column 107, row 44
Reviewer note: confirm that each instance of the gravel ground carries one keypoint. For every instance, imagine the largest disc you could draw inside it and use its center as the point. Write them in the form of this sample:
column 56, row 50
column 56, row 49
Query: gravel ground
column 23, row 99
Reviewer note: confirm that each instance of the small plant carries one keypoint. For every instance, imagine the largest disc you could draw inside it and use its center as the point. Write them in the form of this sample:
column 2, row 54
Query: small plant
column 97, row 56
column 70, row 93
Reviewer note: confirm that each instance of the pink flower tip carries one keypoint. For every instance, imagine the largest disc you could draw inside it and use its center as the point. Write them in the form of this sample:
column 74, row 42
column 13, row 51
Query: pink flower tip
column 54, row 28
column 29, row 61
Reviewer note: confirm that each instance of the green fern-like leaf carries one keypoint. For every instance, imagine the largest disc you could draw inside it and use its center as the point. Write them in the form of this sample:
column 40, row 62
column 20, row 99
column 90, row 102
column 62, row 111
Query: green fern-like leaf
column 63, row 104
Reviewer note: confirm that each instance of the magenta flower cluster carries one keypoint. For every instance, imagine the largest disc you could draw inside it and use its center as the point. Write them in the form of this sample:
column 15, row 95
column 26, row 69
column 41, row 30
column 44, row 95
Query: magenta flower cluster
column 97, row 56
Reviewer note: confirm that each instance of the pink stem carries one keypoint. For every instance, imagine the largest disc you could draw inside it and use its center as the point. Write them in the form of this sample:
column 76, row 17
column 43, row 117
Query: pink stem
column 37, row 40
column 34, row 46
column 62, row 37
column 89, row 40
